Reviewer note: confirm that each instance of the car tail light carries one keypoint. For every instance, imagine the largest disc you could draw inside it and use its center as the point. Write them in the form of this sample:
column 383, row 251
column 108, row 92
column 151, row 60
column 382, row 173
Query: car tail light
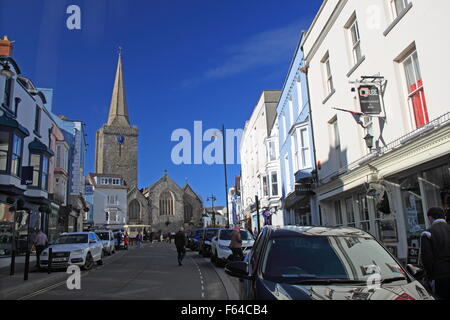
column 405, row 296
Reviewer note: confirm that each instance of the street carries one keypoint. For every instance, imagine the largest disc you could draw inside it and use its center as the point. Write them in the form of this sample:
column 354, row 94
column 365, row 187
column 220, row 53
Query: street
column 151, row 272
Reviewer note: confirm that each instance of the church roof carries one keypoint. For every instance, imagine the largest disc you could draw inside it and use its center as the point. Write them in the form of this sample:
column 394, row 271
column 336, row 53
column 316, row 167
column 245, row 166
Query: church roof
column 118, row 111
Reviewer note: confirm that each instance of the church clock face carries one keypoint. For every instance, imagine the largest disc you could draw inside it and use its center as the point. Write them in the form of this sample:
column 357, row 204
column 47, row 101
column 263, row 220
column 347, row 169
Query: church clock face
column 120, row 140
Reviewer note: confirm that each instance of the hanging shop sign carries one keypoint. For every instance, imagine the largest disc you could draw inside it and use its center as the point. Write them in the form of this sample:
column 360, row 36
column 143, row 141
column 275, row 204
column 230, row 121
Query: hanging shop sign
column 370, row 99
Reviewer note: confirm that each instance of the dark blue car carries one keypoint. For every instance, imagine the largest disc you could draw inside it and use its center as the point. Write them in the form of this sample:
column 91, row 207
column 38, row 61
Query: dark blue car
column 319, row 263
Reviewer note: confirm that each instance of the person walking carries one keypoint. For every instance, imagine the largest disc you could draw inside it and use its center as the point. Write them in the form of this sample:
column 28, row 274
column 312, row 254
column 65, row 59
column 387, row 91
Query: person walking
column 40, row 243
column 236, row 244
column 139, row 240
column 435, row 255
column 180, row 243
column 125, row 241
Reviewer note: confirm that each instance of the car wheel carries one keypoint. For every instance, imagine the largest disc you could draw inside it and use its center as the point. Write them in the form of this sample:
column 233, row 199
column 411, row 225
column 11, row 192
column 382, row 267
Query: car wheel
column 100, row 262
column 89, row 263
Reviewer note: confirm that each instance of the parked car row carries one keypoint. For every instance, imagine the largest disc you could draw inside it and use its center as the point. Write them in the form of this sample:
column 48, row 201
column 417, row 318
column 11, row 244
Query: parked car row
column 215, row 243
column 319, row 263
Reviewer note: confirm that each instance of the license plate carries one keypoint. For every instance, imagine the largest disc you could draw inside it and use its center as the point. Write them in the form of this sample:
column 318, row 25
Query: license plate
column 59, row 259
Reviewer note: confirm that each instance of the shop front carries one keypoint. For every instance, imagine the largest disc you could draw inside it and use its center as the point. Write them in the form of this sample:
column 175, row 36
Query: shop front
column 420, row 189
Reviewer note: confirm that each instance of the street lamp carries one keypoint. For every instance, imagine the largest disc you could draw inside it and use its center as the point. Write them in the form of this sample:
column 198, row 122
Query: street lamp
column 369, row 141
column 212, row 199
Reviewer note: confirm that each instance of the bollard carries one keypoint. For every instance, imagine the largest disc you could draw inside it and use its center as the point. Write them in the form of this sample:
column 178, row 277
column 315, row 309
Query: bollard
column 49, row 266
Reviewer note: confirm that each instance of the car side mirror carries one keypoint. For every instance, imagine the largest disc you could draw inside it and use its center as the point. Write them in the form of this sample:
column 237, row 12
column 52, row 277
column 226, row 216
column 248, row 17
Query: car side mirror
column 238, row 269
column 214, row 239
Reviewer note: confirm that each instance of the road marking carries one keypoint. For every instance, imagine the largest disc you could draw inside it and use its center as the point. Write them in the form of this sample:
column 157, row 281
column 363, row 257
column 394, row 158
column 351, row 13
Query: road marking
column 46, row 289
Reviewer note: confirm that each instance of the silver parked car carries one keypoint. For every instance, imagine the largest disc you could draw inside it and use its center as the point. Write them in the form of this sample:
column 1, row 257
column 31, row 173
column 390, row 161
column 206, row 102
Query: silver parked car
column 108, row 241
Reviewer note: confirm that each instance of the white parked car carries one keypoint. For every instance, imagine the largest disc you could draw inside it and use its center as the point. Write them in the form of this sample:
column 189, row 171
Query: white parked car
column 220, row 245
column 77, row 248
column 108, row 241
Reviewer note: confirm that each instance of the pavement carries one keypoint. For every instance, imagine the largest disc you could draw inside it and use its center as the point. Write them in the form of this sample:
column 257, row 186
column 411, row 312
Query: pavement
column 148, row 273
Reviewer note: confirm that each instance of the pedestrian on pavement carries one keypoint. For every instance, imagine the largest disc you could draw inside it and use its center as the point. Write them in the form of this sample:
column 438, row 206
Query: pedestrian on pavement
column 40, row 243
column 435, row 255
column 139, row 240
column 236, row 244
column 180, row 243
column 125, row 241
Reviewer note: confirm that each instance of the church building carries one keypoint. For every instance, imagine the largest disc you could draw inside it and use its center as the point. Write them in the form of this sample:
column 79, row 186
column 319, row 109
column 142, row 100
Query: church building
column 117, row 151
column 165, row 206
column 173, row 206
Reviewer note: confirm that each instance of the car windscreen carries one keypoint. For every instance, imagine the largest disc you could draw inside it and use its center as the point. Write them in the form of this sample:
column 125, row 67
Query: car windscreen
column 103, row 235
column 226, row 235
column 300, row 258
column 211, row 234
column 72, row 238
column 198, row 233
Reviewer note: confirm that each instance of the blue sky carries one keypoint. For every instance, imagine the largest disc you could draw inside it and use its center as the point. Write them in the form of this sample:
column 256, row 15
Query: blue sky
column 184, row 60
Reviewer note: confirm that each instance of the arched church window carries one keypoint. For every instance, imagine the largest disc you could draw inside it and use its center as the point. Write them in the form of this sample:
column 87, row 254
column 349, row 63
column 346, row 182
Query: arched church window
column 166, row 204
column 134, row 210
column 188, row 212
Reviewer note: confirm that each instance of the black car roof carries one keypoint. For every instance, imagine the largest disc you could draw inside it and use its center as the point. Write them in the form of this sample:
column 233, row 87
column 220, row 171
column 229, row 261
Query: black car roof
column 317, row 231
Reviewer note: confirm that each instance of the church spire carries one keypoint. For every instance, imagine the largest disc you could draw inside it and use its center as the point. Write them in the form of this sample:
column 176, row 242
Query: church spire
column 118, row 111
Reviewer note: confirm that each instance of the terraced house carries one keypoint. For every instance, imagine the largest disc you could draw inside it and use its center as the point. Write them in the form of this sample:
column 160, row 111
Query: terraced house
column 381, row 115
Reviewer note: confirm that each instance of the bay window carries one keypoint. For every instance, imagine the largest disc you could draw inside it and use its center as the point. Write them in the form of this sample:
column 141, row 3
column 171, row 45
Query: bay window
column 10, row 153
column 39, row 162
column 274, row 183
column 4, row 148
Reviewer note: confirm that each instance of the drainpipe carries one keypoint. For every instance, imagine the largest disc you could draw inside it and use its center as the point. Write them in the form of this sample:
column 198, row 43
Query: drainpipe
column 305, row 70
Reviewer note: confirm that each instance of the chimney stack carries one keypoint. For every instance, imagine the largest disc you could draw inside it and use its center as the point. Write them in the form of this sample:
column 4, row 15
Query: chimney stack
column 6, row 47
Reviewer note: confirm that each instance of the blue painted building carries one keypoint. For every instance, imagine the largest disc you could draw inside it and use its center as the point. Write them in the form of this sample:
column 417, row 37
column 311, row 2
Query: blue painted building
column 297, row 163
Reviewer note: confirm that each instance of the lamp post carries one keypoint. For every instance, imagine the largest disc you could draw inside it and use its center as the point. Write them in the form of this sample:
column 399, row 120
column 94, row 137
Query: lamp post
column 257, row 211
column 212, row 199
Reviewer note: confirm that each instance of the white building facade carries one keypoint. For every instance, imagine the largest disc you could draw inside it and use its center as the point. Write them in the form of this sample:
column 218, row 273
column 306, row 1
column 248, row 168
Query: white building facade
column 259, row 152
column 383, row 173
column 109, row 197
column 296, row 148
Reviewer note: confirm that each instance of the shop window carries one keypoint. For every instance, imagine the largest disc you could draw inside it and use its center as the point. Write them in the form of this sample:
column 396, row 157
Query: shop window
column 436, row 185
column 338, row 213
column 363, row 213
column 413, row 208
column 350, row 213
column 416, row 94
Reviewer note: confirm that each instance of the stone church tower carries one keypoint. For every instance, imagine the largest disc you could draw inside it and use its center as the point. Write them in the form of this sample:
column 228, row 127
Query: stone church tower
column 117, row 141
